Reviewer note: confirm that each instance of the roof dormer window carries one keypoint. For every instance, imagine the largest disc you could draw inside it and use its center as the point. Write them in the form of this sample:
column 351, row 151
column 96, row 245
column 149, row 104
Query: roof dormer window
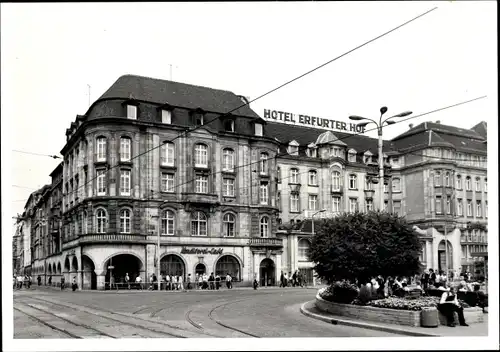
column 312, row 150
column 367, row 157
column 258, row 129
column 352, row 156
column 293, row 148
column 198, row 119
column 166, row 117
column 229, row 125
column 131, row 112
column 336, row 152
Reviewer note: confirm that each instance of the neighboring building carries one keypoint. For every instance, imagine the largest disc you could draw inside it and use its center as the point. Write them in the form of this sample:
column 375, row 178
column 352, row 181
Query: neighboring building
column 444, row 180
column 17, row 248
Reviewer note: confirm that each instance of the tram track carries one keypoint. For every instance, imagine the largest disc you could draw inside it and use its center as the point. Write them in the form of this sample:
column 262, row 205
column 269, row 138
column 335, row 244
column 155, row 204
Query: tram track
column 51, row 326
column 121, row 321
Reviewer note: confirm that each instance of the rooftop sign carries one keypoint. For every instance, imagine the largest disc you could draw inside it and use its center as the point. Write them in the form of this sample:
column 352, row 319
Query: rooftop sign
column 312, row 121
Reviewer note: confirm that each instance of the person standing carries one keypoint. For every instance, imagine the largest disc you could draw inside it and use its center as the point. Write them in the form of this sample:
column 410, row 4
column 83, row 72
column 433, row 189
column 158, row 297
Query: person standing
column 217, row 281
column 294, row 278
column 205, row 281
column 200, row 281
column 62, row 283
column 39, row 279
column 188, row 282
column 50, row 280
column 138, row 282
column 211, row 281
column 74, row 285
column 127, row 281
column 285, row 280
column 229, row 281
column 282, row 279
column 167, row 279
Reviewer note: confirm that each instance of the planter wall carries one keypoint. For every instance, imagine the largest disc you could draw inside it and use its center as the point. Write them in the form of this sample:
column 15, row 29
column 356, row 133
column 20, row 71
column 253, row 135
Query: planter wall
column 472, row 315
column 383, row 315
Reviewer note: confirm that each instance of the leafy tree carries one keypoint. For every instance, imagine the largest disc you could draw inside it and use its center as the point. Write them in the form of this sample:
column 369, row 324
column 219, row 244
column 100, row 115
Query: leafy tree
column 363, row 245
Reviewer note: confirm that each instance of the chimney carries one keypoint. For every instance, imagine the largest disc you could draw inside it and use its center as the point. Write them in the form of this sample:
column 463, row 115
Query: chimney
column 411, row 126
column 438, row 122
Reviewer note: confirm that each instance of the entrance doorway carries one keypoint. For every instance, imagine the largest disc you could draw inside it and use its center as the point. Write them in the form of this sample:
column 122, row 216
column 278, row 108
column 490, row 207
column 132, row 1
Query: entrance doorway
column 172, row 265
column 442, row 256
column 119, row 265
column 267, row 273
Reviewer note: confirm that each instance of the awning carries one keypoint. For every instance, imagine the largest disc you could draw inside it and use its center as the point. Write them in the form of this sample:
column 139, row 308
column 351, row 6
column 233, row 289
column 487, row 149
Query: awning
column 479, row 254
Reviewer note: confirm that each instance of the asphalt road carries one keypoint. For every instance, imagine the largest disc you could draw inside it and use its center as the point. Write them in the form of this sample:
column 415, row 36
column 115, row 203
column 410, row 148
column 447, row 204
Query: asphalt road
column 49, row 313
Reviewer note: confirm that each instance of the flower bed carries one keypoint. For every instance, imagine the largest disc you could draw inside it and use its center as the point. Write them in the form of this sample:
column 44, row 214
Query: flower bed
column 399, row 303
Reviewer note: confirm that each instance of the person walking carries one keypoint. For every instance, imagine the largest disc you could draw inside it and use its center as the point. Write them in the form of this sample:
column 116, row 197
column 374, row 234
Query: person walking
column 285, row 280
column 282, row 279
column 138, row 282
column 448, row 305
column 211, row 280
column 74, row 285
column 229, row 280
column 39, row 279
column 50, row 280
column 127, row 281
column 167, row 279
column 294, row 279
column 62, row 283
column 205, row 281
column 188, row 282
column 217, row 281
column 200, row 281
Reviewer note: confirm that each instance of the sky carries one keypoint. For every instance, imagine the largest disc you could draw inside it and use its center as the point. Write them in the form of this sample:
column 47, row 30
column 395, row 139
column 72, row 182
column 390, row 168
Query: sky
column 51, row 53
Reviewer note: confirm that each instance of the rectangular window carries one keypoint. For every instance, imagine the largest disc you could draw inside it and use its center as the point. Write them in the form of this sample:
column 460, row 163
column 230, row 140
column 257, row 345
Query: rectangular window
column 369, row 184
column 437, row 179
column 125, row 183
column 353, row 205
column 396, row 185
column 439, row 205
column 264, row 193
column 469, row 207
column 353, row 184
column 396, row 205
column 258, row 129
column 263, row 164
column 485, row 184
column 228, row 187
column 125, row 149
column 313, row 202
column 369, row 205
column 132, row 112
column 459, row 182
column 464, row 251
column 478, row 209
column 228, row 160
column 294, row 176
column 352, row 157
column 101, row 182
column 201, row 155
column 167, row 182
column 101, row 150
column 448, row 205
column 460, row 207
column 294, row 203
column 313, row 178
column 167, row 154
column 166, row 117
column 486, row 209
column 478, row 185
column 199, row 120
column 201, row 184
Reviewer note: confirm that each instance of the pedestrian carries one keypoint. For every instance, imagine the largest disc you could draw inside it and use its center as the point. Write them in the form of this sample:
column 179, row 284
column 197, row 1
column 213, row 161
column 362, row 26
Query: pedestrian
column 290, row 279
column 205, row 281
column 74, row 285
column 294, row 279
column 20, row 281
column 299, row 279
column 282, row 279
column 167, row 279
column 127, row 281
column 229, row 281
column 255, row 283
column 180, row 282
column 39, row 279
column 14, row 282
column 151, row 282
column 217, row 281
column 211, row 280
column 285, row 280
column 138, row 282
column 50, row 280
column 62, row 283
column 30, row 281
column 189, row 282
column 448, row 305
column 425, row 279
column 200, row 281
column 432, row 277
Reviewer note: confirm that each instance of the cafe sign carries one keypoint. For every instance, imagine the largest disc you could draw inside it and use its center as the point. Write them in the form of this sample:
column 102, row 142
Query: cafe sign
column 312, row 121
column 185, row 250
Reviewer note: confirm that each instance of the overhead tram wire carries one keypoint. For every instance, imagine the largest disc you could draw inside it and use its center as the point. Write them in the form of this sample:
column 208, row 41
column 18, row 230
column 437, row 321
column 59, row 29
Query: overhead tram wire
column 342, row 138
column 339, row 139
column 37, row 154
column 269, row 92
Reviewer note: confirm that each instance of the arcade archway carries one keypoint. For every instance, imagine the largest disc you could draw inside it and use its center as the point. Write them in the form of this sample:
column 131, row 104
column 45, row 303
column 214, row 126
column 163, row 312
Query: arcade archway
column 172, row 264
column 227, row 264
column 200, row 269
column 89, row 277
column 120, row 265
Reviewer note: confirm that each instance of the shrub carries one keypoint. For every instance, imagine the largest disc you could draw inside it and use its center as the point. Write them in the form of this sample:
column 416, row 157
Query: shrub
column 406, row 304
column 340, row 292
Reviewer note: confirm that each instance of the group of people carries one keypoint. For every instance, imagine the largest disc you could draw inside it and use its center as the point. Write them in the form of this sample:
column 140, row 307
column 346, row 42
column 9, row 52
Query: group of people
column 171, row 282
column 289, row 280
column 19, row 280
column 27, row 280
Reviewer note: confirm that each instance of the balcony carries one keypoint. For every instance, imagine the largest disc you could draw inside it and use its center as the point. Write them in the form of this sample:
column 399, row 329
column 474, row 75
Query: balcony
column 369, row 193
column 336, row 189
column 294, row 187
column 111, row 238
column 200, row 198
column 268, row 242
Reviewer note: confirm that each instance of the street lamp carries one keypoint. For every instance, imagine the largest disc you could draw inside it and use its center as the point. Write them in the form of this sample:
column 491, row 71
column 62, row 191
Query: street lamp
column 312, row 219
column 379, row 125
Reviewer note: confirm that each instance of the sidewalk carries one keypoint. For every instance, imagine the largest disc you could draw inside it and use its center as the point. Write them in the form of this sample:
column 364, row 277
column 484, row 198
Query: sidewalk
column 121, row 291
column 478, row 329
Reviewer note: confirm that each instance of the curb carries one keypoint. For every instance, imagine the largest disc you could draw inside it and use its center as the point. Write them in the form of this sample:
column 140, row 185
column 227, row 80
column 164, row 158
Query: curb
column 336, row 321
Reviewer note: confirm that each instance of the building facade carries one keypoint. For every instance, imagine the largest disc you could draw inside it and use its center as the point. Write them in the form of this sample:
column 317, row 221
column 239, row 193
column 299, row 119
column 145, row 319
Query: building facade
column 228, row 192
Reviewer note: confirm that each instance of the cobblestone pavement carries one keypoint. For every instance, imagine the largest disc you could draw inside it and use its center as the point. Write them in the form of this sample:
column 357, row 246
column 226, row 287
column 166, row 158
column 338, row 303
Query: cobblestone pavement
column 48, row 313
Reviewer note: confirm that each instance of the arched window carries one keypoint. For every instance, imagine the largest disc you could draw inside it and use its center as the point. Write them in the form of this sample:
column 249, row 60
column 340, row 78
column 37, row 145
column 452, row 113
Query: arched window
column 264, row 163
column 228, row 160
column 304, row 247
column 278, row 173
column 101, row 149
column 168, row 223
column 201, row 155
column 478, row 184
column 229, row 225
column 264, row 227
column 101, row 221
column 125, row 148
column 336, row 180
column 228, row 264
column 313, row 178
column 125, row 222
column 485, row 185
column 447, row 179
column 198, row 224
column 167, row 154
